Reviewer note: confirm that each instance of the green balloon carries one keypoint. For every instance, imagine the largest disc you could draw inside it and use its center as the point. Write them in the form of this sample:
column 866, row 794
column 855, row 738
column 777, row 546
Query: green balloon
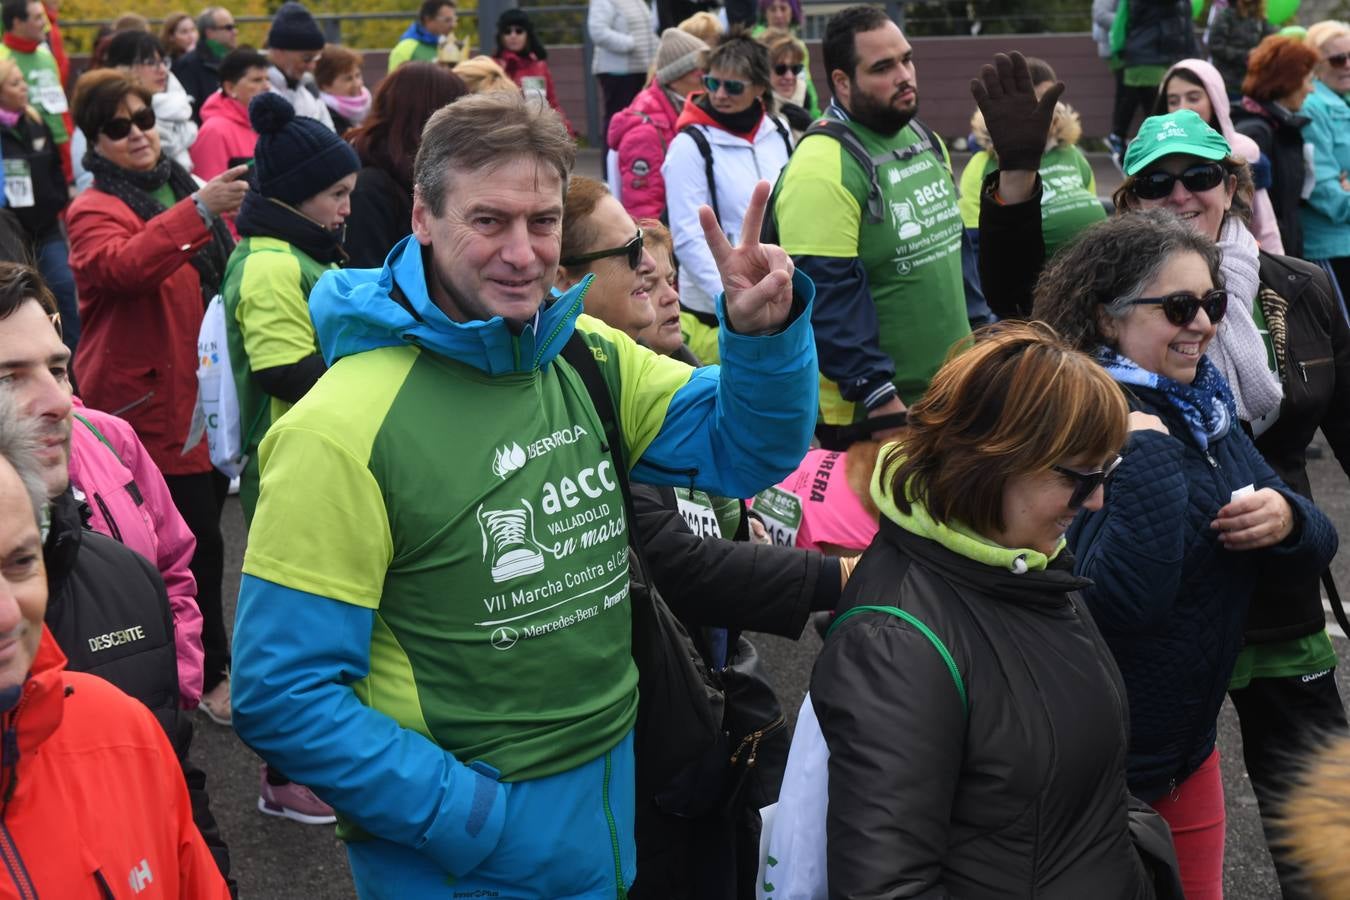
column 1294, row 31
column 1280, row 11
column 1197, row 7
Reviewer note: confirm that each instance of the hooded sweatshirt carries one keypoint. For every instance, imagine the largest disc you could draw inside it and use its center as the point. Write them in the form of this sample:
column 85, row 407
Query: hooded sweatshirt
column 1265, row 228
column 472, row 522
column 225, row 135
column 1069, row 201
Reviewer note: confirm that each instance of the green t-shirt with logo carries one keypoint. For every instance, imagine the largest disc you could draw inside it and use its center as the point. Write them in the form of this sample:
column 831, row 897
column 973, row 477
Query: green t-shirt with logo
column 1069, row 201
column 912, row 257
column 483, row 523
column 45, row 91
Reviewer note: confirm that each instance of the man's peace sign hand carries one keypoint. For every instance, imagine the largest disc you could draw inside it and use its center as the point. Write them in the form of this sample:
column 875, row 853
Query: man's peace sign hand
column 757, row 277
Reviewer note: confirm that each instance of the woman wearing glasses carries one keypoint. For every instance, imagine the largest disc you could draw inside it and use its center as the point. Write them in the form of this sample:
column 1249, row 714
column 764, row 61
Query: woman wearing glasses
column 137, row 55
column 148, row 248
column 728, row 140
column 976, row 724
column 600, row 239
column 1195, row 517
column 523, row 57
column 792, row 90
column 1326, row 212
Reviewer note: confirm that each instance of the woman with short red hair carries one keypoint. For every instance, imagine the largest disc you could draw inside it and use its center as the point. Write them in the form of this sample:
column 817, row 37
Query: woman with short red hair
column 1279, row 78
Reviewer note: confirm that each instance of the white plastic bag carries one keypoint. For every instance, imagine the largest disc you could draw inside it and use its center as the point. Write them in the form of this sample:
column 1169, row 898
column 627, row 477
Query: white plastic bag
column 217, row 397
column 793, row 868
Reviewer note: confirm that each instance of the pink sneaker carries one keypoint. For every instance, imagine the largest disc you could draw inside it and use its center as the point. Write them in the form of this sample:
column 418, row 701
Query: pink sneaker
column 292, row 801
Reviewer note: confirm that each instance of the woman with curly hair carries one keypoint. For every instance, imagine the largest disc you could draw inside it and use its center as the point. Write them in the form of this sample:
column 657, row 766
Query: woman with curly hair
column 1193, row 521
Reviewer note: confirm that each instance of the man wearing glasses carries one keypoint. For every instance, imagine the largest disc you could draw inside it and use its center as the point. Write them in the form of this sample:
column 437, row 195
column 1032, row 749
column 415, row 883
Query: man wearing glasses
column 199, row 70
column 294, row 45
column 884, row 246
column 434, row 628
column 424, row 39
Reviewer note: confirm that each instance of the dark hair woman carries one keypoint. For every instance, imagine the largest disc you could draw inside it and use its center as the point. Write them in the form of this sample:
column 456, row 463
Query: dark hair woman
column 179, row 35
column 387, row 143
column 148, row 248
column 1195, row 520
column 965, row 770
column 523, row 56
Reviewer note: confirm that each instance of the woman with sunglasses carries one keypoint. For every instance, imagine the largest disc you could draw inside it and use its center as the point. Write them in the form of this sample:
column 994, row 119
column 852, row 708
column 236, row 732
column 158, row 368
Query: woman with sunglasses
column 523, row 57
column 1307, row 349
column 1194, row 520
column 728, row 140
column 792, row 90
column 976, row 724
column 148, row 247
column 1326, row 212
column 600, row 238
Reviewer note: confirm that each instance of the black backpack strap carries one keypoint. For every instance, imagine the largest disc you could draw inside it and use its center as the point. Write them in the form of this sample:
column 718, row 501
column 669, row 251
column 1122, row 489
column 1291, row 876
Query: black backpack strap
column 1334, row 601
column 783, row 133
column 705, row 150
column 849, row 141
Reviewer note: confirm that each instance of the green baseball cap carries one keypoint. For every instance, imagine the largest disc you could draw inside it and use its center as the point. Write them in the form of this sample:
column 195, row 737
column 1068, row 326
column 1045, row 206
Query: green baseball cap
column 1181, row 132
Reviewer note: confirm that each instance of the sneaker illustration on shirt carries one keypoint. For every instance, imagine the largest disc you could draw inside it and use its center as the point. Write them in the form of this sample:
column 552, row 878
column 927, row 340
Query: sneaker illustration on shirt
column 507, row 545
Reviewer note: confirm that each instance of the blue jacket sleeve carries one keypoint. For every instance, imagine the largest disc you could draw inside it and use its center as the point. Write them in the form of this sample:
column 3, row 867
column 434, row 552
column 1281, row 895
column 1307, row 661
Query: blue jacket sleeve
column 296, row 657
column 737, row 428
column 1133, row 547
column 845, row 323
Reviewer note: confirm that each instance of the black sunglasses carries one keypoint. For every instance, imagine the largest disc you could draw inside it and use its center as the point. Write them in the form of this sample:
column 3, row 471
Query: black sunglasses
column 783, row 68
column 1087, row 482
column 230, row 27
column 120, row 127
column 632, row 249
column 513, row 29
column 734, row 88
column 1181, row 307
column 1196, row 179
column 1338, row 60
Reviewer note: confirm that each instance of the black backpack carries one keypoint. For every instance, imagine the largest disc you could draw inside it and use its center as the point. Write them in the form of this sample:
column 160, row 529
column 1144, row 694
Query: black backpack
column 705, row 150
column 833, row 128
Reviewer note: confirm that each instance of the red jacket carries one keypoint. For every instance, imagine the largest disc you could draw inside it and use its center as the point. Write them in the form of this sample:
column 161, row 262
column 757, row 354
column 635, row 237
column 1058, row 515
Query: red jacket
column 640, row 135
column 99, row 807
column 225, row 134
column 140, row 310
column 518, row 68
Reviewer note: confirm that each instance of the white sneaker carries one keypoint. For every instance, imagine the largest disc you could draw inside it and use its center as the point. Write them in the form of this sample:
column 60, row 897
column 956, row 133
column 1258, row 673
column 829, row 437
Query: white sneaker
column 216, row 704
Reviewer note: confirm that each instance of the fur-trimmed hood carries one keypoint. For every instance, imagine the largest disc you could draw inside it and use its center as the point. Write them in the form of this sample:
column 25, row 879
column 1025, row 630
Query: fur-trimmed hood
column 1065, row 129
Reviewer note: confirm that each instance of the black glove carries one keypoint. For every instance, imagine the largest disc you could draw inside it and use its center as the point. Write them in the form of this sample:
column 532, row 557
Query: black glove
column 799, row 119
column 1018, row 123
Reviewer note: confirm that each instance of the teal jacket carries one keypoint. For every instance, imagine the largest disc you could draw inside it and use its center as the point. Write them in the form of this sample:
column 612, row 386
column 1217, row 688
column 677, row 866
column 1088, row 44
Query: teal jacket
column 417, row 817
column 1326, row 214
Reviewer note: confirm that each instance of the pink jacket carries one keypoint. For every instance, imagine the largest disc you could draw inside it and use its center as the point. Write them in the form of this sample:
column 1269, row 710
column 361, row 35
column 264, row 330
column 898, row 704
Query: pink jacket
column 1264, row 227
column 640, row 135
column 531, row 73
column 130, row 503
column 225, row 134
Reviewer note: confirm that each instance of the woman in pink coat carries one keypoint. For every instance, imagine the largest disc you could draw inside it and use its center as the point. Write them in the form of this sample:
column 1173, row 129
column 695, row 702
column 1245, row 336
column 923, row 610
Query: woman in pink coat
column 523, row 57
column 226, row 133
column 129, row 502
column 1196, row 85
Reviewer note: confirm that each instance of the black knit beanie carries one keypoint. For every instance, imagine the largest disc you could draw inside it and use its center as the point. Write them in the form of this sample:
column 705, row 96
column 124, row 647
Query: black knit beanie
column 293, row 28
column 296, row 157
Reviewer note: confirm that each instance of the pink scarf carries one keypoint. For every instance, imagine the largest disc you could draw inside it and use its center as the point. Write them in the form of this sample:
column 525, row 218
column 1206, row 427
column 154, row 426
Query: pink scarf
column 353, row 109
column 10, row 119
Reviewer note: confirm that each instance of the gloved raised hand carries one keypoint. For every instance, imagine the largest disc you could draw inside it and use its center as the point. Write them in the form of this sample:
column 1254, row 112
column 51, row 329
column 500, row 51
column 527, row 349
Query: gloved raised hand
column 1018, row 123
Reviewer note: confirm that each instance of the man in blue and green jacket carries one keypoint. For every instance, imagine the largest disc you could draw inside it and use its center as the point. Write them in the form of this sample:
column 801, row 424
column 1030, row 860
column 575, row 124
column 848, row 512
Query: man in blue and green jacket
column 420, row 43
column 433, row 628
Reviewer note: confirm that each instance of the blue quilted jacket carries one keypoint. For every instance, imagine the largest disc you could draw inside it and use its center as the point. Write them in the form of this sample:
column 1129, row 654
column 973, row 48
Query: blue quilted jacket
column 1169, row 599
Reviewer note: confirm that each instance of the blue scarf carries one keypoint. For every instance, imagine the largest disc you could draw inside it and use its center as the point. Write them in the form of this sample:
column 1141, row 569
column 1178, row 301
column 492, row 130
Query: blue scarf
column 418, row 33
column 1206, row 403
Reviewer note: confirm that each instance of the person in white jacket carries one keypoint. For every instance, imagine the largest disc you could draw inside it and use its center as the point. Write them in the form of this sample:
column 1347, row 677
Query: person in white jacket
column 748, row 143
column 294, row 45
column 138, row 54
column 624, row 34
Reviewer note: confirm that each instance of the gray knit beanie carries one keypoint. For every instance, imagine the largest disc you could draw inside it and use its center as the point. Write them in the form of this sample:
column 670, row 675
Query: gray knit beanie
column 679, row 54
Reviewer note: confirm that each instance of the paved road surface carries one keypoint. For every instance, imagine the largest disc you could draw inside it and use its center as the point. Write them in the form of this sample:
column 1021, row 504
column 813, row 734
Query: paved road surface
column 276, row 859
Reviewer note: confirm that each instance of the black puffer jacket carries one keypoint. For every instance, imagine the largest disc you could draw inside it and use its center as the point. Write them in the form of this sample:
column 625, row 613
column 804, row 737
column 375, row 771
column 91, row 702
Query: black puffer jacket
column 1159, row 33
column 1027, row 797
column 1313, row 346
column 1279, row 134
column 109, row 612
column 30, row 141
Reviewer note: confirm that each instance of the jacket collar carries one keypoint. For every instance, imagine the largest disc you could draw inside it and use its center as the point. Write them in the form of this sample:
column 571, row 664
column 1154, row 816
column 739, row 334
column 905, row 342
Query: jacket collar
column 35, row 713
column 418, row 33
column 355, row 310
